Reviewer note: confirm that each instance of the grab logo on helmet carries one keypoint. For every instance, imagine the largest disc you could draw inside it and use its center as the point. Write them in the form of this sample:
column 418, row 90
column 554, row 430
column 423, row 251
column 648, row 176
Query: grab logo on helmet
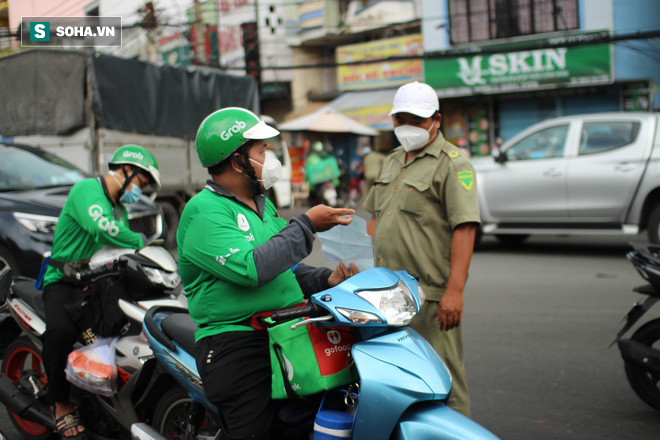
column 236, row 128
column 133, row 154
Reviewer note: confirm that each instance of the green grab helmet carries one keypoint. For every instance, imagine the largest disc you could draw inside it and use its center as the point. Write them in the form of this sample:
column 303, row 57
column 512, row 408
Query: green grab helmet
column 225, row 130
column 139, row 157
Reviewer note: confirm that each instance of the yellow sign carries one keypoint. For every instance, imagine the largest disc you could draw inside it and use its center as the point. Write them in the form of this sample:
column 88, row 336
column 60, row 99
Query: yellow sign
column 385, row 73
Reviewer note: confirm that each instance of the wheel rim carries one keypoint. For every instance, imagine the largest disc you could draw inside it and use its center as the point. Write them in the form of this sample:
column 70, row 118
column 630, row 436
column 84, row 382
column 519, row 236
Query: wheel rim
column 19, row 360
column 175, row 419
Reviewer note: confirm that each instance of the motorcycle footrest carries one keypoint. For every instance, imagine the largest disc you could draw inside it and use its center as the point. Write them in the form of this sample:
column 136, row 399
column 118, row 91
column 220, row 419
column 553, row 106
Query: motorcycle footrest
column 640, row 355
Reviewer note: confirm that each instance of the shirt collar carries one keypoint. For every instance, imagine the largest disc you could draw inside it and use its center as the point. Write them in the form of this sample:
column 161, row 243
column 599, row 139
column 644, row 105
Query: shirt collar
column 215, row 187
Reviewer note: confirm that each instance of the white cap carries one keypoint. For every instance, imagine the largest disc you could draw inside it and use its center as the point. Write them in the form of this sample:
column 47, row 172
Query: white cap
column 417, row 98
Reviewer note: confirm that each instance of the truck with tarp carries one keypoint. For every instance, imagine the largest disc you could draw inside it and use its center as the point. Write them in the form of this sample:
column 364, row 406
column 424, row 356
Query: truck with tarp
column 82, row 106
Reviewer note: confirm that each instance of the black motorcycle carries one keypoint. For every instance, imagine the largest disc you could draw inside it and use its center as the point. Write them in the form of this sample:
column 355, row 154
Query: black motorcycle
column 641, row 353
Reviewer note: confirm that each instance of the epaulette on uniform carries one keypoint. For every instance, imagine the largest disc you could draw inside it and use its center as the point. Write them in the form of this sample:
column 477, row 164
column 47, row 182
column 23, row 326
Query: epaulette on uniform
column 452, row 151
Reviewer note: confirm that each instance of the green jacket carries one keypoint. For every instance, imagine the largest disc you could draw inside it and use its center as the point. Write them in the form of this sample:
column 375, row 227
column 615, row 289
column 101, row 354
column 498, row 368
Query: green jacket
column 88, row 223
column 216, row 238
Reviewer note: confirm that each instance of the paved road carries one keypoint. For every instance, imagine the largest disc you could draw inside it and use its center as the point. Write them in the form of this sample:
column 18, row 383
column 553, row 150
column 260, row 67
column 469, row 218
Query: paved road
column 537, row 326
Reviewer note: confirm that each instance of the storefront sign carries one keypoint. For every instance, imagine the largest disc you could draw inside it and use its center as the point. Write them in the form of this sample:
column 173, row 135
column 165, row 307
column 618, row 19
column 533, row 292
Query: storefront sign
column 379, row 75
column 524, row 70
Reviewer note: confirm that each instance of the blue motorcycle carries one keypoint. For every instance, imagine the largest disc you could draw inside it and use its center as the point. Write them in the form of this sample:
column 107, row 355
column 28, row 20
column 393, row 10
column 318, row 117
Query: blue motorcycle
column 403, row 385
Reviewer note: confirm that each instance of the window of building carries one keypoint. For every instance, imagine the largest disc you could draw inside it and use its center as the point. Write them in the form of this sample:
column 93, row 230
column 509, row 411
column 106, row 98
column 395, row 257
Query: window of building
column 478, row 20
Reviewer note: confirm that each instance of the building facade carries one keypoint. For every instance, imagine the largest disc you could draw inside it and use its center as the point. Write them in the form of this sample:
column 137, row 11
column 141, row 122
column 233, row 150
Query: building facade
column 500, row 66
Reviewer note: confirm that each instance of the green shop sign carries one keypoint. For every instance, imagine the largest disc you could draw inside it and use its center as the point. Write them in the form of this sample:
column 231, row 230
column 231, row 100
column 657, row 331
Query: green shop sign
column 522, row 70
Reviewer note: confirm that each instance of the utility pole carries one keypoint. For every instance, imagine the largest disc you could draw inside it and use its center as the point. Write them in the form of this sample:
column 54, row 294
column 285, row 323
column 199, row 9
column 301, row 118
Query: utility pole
column 150, row 25
column 200, row 34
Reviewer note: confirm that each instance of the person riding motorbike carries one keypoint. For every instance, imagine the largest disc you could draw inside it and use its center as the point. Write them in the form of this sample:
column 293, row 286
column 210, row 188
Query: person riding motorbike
column 238, row 259
column 94, row 216
column 321, row 170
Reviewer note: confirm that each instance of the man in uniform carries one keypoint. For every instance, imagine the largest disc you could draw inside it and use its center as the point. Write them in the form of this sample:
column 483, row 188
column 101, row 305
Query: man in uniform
column 425, row 214
column 238, row 258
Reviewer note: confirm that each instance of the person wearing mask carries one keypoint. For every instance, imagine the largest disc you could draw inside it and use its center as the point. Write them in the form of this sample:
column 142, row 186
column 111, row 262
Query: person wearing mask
column 94, row 216
column 238, row 259
column 425, row 214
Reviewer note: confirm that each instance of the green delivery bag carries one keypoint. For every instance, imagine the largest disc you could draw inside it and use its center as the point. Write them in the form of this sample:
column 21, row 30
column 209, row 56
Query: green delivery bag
column 324, row 170
column 309, row 359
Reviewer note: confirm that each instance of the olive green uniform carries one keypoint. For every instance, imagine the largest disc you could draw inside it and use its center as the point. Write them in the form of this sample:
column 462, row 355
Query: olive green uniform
column 417, row 207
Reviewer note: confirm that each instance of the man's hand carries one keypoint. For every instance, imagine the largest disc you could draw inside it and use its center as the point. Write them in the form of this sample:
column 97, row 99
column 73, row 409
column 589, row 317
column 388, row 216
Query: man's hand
column 325, row 217
column 341, row 273
column 450, row 310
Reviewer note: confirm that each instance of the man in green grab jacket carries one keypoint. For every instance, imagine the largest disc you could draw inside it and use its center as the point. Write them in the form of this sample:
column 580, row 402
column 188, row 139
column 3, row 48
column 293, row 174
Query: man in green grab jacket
column 239, row 258
column 93, row 217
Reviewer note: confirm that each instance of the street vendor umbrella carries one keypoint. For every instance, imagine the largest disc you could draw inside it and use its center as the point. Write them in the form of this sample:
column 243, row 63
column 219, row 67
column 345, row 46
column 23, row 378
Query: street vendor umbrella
column 327, row 121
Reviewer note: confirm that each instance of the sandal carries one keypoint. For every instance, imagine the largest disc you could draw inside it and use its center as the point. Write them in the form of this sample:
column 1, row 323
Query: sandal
column 66, row 422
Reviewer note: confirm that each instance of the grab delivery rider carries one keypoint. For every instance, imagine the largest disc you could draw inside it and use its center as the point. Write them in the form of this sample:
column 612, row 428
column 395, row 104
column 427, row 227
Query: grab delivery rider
column 239, row 258
column 94, row 216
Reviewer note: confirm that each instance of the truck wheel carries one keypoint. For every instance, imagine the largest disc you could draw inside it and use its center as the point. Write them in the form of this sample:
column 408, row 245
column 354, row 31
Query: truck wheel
column 654, row 226
column 644, row 383
column 171, row 220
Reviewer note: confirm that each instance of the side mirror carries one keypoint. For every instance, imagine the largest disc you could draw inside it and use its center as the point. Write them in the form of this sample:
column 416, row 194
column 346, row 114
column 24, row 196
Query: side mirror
column 501, row 158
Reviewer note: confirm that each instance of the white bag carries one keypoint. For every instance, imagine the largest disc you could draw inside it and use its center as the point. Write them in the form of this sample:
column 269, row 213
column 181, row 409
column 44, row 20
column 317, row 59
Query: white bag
column 93, row 367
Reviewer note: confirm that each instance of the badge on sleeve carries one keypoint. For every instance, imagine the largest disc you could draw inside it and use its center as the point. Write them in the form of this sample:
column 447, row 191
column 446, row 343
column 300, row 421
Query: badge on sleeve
column 243, row 224
column 466, row 178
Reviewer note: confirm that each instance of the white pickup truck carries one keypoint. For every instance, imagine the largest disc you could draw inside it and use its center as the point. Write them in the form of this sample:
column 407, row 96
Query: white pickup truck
column 576, row 175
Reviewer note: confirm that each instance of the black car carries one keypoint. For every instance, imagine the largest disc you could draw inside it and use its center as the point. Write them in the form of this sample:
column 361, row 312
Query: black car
column 34, row 185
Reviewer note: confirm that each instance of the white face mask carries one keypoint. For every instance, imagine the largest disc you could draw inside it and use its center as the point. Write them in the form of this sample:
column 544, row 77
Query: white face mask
column 271, row 171
column 412, row 138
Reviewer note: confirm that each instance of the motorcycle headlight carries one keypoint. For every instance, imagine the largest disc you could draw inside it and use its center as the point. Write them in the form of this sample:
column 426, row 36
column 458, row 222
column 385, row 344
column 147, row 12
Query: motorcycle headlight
column 167, row 279
column 43, row 224
column 396, row 304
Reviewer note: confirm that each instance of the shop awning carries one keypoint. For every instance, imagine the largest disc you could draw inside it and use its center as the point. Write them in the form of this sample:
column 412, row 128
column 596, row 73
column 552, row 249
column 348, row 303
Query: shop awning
column 370, row 108
column 327, row 121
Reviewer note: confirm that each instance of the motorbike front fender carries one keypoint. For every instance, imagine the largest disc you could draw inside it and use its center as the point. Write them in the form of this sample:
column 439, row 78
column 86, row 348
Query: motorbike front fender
column 434, row 420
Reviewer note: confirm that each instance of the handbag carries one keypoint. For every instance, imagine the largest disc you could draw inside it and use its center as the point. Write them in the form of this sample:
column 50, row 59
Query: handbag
column 309, row 359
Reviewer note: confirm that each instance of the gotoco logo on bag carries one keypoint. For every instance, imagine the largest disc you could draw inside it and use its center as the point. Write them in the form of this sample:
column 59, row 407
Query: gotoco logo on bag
column 332, row 346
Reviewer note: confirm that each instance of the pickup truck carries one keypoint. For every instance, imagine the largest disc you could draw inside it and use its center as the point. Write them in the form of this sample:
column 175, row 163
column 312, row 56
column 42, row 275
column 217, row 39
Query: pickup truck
column 577, row 175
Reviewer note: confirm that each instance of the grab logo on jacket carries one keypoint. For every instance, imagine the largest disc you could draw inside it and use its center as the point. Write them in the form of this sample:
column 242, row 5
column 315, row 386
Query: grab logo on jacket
column 242, row 222
column 96, row 213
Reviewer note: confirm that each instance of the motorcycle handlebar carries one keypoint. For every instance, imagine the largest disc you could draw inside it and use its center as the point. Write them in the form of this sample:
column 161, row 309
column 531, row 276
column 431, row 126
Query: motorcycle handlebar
column 310, row 310
column 93, row 273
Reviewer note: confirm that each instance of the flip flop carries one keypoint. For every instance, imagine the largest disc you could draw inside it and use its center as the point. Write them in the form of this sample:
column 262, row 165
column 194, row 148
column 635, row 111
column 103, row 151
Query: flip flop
column 66, row 422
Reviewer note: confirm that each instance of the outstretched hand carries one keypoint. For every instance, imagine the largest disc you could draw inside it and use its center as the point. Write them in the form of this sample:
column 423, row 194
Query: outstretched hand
column 341, row 273
column 325, row 217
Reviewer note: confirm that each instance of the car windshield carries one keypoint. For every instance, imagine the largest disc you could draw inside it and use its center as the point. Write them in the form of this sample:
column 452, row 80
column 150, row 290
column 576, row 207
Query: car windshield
column 29, row 168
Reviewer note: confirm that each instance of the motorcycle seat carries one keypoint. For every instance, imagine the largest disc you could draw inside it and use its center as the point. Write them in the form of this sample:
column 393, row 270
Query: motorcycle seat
column 24, row 290
column 180, row 328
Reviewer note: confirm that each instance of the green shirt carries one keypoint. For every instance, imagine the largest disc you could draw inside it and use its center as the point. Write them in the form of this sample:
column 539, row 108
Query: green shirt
column 417, row 206
column 216, row 238
column 88, row 223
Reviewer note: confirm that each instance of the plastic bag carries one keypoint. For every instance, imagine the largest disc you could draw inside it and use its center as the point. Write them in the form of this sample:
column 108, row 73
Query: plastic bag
column 349, row 244
column 93, row 367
